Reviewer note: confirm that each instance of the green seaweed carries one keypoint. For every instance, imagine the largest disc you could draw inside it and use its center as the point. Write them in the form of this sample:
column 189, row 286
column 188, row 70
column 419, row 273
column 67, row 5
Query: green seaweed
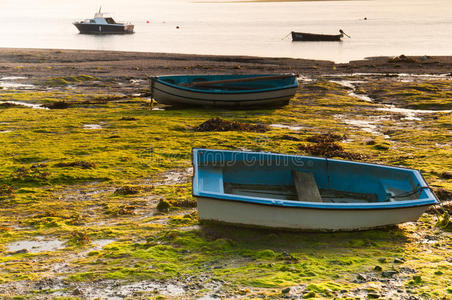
column 59, row 179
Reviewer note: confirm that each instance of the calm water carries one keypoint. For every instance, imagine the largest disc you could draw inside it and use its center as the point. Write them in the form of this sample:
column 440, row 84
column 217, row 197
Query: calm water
column 393, row 27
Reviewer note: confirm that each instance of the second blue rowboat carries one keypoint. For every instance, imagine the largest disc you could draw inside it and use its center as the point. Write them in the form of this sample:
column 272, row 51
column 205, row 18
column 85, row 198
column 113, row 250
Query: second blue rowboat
column 225, row 90
column 305, row 193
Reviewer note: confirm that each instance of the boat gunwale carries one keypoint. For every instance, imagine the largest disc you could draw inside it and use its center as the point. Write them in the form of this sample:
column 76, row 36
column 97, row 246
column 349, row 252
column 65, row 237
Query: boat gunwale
column 101, row 24
column 314, row 205
column 179, row 87
column 431, row 198
column 86, row 28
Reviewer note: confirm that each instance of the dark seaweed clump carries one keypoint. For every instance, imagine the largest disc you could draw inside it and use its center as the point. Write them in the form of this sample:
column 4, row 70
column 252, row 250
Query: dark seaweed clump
column 127, row 190
column 8, row 105
column 443, row 194
column 326, row 138
column 163, row 206
column 36, row 172
column 218, row 124
column 58, row 105
column 446, row 175
column 6, row 190
column 287, row 137
column 326, row 145
column 81, row 164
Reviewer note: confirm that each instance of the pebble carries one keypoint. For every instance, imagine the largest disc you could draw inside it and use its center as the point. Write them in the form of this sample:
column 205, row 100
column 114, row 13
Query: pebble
column 431, row 237
column 361, row 277
column 407, row 270
column 438, row 273
column 77, row 292
column 378, row 268
column 286, row 290
column 382, row 260
column 21, row 251
column 399, row 260
column 388, row 273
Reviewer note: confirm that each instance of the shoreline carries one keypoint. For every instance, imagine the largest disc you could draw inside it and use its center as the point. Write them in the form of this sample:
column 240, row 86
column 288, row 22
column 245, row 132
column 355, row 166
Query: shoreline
column 44, row 63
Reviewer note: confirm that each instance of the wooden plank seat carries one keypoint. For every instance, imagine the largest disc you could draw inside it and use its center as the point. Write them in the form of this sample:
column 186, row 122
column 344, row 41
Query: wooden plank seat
column 306, row 186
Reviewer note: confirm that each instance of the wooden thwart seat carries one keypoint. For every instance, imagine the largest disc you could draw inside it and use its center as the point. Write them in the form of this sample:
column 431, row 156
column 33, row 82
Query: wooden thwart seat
column 284, row 192
column 306, row 186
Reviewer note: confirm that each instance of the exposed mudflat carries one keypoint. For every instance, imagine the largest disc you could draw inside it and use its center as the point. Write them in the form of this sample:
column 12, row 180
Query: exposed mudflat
column 95, row 178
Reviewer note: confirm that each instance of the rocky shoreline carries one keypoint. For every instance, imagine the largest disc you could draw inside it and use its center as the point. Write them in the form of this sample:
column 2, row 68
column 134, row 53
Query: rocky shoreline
column 41, row 63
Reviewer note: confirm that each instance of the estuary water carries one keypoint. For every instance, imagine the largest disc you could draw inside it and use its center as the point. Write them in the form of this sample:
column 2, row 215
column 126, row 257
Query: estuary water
column 376, row 27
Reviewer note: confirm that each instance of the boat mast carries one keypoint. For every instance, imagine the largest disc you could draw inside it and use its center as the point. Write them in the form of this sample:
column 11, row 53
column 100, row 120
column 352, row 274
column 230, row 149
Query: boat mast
column 99, row 13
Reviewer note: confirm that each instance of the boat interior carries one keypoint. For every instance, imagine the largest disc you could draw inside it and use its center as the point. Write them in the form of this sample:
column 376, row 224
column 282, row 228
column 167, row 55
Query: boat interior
column 290, row 192
column 231, row 82
column 314, row 180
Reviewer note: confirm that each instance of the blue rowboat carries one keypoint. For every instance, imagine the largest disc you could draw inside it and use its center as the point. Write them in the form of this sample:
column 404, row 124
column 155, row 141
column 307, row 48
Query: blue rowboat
column 224, row 90
column 305, row 193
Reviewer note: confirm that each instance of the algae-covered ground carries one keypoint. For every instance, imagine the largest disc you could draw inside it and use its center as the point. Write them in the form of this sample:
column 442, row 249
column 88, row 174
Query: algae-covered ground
column 95, row 194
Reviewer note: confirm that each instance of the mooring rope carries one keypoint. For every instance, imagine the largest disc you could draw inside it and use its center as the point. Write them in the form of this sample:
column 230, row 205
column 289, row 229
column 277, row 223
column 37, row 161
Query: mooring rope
column 286, row 36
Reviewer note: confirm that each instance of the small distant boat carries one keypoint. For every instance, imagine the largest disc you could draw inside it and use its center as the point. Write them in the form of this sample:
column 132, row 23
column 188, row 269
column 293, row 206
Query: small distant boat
column 304, row 193
column 312, row 37
column 224, row 90
column 103, row 25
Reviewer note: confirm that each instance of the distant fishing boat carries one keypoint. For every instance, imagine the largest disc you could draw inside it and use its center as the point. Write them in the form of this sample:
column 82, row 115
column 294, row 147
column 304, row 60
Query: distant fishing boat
column 224, row 90
column 103, row 25
column 305, row 193
column 303, row 36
